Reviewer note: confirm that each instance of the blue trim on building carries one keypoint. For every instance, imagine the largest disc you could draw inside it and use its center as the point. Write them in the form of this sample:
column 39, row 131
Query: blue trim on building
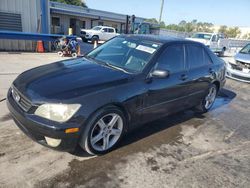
column 32, row 36
column 44, row 16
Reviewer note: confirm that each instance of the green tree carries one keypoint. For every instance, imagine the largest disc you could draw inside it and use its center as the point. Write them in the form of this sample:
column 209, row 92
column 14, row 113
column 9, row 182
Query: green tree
column 246, row 36
column 72, row 2
column 233, row 32
column 223, row 29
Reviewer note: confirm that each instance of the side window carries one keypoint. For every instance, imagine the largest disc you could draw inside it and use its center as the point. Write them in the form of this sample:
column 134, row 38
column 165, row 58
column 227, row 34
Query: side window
column 194, row 56
column 207, row 58
column 105, row 30
column 172, row 59
column 111, row 30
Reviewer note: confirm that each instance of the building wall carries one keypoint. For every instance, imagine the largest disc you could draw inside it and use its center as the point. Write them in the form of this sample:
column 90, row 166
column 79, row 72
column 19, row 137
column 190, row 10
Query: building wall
column 30, row 16
column 65, row 24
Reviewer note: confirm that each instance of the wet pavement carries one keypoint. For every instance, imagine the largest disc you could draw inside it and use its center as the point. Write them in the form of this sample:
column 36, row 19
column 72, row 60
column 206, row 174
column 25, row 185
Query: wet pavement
column 182, row 150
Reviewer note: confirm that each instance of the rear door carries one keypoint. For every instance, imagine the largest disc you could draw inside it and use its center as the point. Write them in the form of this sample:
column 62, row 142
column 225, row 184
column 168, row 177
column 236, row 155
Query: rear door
column 111, row 33
column 200, row 68
column 167, row 95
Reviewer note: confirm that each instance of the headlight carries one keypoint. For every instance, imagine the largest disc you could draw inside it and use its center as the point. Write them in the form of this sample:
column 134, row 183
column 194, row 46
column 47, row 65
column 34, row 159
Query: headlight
column 232, row 61
column 57, row 112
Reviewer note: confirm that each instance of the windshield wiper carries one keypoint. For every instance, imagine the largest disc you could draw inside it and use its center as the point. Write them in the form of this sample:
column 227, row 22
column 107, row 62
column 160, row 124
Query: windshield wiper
column 108, row 64
column 115, row 67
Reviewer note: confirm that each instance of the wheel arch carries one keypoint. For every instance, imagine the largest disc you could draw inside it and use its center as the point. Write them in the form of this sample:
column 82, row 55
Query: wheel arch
column 116, row 105
column 217, row 83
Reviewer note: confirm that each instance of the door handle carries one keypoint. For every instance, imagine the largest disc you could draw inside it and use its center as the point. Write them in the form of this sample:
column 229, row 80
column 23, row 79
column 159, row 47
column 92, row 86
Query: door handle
column 183, row 77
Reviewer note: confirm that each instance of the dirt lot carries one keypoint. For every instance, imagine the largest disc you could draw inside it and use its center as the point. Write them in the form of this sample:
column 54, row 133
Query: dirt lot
column 184, row 150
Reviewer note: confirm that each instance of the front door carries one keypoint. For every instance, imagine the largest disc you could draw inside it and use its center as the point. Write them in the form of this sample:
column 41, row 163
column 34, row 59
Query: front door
column 72, row 25
column 167, row 95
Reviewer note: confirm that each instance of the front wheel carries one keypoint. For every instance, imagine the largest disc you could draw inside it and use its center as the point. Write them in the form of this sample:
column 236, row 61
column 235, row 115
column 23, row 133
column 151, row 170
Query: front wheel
column 104, row 131
column 94, row 39
column 208, row 101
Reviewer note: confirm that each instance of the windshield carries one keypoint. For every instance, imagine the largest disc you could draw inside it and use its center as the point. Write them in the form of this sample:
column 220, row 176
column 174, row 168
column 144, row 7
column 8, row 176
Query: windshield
column 130, row 55
column 96, row 28
column 246, row 49
column 202, row 36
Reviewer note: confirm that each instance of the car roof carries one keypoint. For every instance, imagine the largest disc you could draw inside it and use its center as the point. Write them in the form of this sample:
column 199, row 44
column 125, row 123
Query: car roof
column 163, row 39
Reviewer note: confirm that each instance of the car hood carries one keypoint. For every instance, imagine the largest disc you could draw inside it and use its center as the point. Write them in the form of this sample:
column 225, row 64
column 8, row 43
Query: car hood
column 67, row 79
column 89, row 30
column 242, row 57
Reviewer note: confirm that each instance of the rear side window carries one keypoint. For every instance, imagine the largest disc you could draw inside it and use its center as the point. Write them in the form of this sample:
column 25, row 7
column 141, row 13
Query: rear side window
column 207, row 58
column 172, row 59
column 195, row 56
column 111, row 30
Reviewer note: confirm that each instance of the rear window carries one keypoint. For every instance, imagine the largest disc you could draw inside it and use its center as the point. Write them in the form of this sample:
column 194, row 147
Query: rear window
column 194, row 56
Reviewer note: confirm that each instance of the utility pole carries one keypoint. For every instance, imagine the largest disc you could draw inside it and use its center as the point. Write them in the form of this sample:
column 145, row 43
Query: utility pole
column 162, row 5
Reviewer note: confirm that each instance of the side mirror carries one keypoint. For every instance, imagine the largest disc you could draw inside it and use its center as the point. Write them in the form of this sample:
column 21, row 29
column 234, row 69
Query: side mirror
column 102, row 31
column 159, row 74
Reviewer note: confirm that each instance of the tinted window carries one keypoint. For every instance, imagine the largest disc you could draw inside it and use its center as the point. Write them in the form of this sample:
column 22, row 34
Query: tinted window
column 195, row 56
column 172, row 59
column 111, row 30
column 207, row 59
column 105, row 29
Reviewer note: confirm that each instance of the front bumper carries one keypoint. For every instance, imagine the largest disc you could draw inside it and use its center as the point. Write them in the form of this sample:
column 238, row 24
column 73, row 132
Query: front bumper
column 237, row 75
column 37, row 128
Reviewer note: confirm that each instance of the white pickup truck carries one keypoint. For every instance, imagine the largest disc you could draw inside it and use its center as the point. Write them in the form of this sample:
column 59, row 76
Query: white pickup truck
column 215, row 41
column 98, row 33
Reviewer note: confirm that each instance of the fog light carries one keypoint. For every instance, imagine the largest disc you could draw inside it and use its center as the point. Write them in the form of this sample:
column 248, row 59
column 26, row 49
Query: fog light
column 53, row 142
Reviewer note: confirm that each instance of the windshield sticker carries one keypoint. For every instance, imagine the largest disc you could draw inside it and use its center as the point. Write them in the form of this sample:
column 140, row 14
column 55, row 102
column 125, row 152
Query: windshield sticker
column 145, row 49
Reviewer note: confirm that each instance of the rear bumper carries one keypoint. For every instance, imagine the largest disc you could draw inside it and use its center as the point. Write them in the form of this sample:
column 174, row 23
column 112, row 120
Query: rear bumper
column 37, row 128
column 237, row 75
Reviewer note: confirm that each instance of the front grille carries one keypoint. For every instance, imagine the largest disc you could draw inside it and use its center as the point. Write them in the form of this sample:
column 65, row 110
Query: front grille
column 243, row 65
column 83, row 32
column 240, row 77
column 236, row 67
column 21, row 100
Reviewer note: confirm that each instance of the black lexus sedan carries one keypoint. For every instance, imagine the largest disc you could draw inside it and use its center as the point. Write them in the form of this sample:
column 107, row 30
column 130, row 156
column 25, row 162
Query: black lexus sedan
column 128, row 81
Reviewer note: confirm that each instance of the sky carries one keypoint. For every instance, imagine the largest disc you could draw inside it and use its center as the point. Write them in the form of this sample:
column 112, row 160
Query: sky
column 218, row 12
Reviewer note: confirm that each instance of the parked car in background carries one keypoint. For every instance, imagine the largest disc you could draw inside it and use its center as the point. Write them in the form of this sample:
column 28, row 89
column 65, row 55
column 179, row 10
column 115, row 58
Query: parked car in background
column 98, row 33
column 215, row 41
column 128, row 81
column 239, row 67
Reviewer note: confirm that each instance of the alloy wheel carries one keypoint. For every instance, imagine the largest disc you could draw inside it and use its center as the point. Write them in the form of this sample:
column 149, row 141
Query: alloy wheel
column 106, row 132
column 210, row 98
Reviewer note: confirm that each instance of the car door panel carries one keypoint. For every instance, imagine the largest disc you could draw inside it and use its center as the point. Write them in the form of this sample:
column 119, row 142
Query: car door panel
column 199, row 68
column 167, row 95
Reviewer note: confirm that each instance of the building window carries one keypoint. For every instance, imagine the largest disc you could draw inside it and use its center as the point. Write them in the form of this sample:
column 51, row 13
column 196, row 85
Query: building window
column 83, row 25
column 100, row 23
column 55, row 21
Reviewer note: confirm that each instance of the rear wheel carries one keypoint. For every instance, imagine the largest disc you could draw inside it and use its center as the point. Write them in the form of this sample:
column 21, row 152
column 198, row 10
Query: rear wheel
column 94, row 39
column 208, row 101
column 84, row 39
column 104, row 131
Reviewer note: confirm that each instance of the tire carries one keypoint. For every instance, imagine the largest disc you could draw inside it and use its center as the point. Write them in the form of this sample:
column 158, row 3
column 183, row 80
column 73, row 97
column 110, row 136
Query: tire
column 60, row 53
column 84, row 39
column 94, row 39
column 74, row 55
column 221, row 54
column 208, row 101
column 100, row 136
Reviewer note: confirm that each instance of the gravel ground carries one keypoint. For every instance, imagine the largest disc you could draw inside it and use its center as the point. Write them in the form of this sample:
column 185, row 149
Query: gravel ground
column 183, row 150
